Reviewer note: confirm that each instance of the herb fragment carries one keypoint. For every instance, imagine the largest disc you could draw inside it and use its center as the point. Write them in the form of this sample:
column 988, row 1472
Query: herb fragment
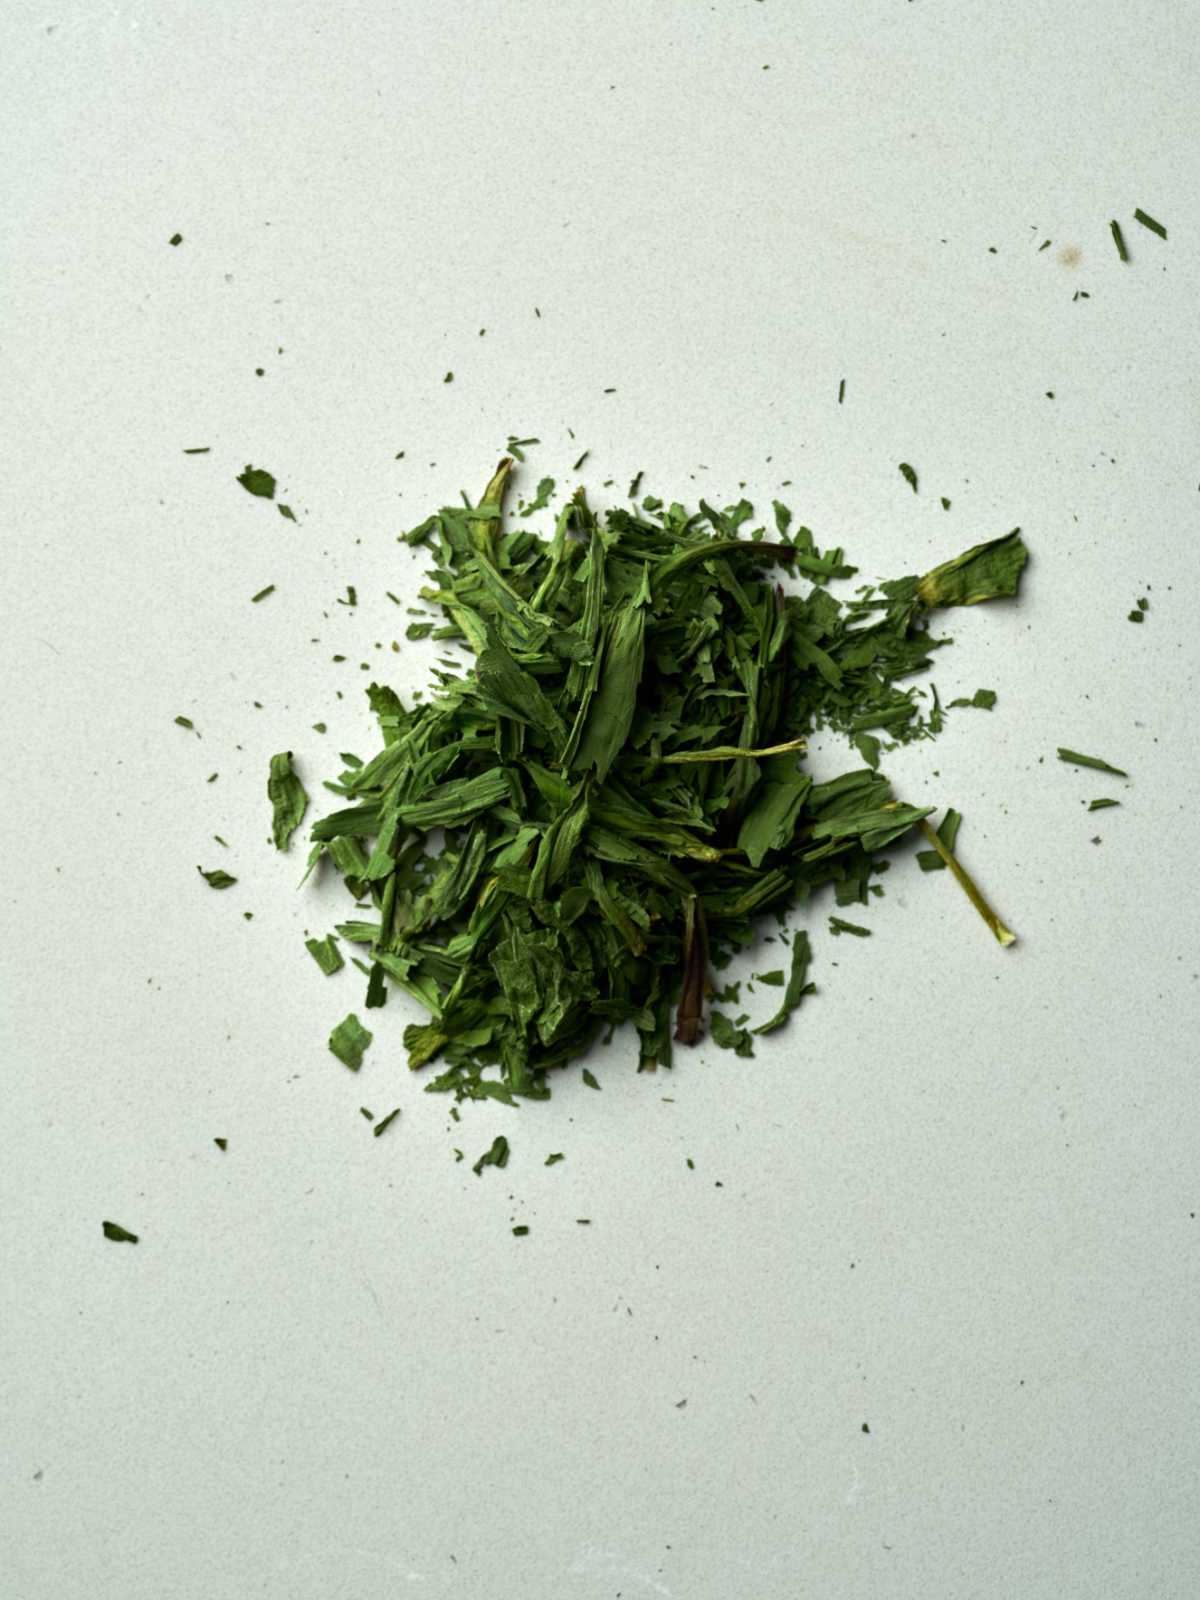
column 349, row 1041
column 1002, row 933
column 838, row 925
column 262, row 594
column 258, row 481
column 326, row 954
column 520, row 1230
column 841, row 391
column 1102, row 805
column 221, row 1144
column 930, row 860
column 385, row 1122
column 495, row 1156
column 118, row 1234
column 1149, row 222
column 175, row 239
column 552, row 1160
column 590, row 1079
column 288, row 798
column 909, row 475
column 1119, row 240
column 217, row 878
column 984, row 699
column 1096, row 762
column 286, row 511
column 198, row 450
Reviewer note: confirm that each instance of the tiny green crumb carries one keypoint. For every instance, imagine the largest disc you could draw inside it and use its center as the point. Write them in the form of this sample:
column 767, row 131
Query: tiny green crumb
column 175, row 239
column 449, row 378
column 221, row 1144
column 1119, row 239
column 118, row 1234
column 319, row 727
column 198, row 450
column 349, row 1042
column 386, row 1122
column 185, row 722
column 1136, row 616
column 984, row 699
column 1102, row 805
column 909, row 475
column 1148, row 222
column 262, row 594
column 257, row 481
column 212, row 777
column 520, row 1230
column 839, row 925
column 590, row 1079
column 1096, row 762
column 217, row 878
column 945, row 504
column 577, row 464
column 552, row 1160
column 286, row 511
column 841, row 391
column 774, row 978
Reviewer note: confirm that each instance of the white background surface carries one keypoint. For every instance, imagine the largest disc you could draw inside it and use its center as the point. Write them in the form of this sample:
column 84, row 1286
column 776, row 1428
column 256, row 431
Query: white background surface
column 958, row 1195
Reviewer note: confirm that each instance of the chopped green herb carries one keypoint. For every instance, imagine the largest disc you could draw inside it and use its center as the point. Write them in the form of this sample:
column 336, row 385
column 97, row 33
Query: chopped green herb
column 1149, row 222
column 262, row 594
column 495, row 1156
column 386, row 1122
column 520, row 1230
column 198, row 450
column 221, row 1144
column 176, row 238
column 775, row 979
column 909, row 475
column 545, row 489
column 118, row 1234
column 217, row 878
column 349, row 1041
column 838, row 925
column 1119, row 239
column 1102, row 805
column 841, row 391
column 326, row 954
column 288, row 799
column 985, row 699
column 552, row 1160
column 930, row 860
column 319, row 727
column 286, row 511
column 449, row 378
column 351, row 596
column 1077, row 760
column 1000, row 931
column 1136, row 616
column 590, row 1079
column 945, row 504
column 257, row 480
column 1045, row 245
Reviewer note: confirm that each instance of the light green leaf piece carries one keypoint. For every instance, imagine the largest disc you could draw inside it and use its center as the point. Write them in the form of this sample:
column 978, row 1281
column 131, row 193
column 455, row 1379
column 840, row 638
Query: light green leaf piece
column 989, row 571
column 326, row 954
column 349, row 1041
column 118, row 1234
column 797, row 985
column 288, row 799
column 217, row 878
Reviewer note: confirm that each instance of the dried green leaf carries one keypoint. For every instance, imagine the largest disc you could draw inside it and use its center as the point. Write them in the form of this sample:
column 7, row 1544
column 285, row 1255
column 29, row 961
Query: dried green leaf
column 288, row 798
column 349, row 1041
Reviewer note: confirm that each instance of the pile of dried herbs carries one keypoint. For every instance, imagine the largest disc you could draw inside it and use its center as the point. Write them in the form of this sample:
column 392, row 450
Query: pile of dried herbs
column 574, row 833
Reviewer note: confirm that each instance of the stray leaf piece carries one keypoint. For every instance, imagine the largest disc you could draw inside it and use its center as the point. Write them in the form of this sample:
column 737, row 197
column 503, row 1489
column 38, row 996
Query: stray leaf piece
column 198, row 450
column 286, row 511
column 520, row 1230
column 449, row 378
column 262, row 594
column 1119, row 239
column 797, row 985
column 1149, row 222
column 118, row 1234
column 552, row 1160
column 385, row 1122
column 349, row 1041
column 930, row 860
column 217, row 878
column 909, row 475
column 495, row 1156
column 989, row 571
column 288, row 798
column 1077, row 760
column 1102, row 805
column 837, row 925
column 257, row 480
column 326, row 954
column 841, row 391
column 1003, row 934
column 184, row 722
column 176, row 238
column 590, row 1079
column 221, row 1144
column 985, row 699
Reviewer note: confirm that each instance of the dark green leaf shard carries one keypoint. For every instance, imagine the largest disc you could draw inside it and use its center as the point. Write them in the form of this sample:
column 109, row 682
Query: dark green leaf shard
column 262, row 594
column 221, row 1144
column 118, row 1234
column 1102, row 805
column 838, row 925
column 288, row 799
column 553, row 1159
column 930, row 860
column 257, row 480
column 590, row 1079
column 385, row 1122
column 909, row 475
column 1077, row 760
column 217, row 878
column 1119, row 239
column 989, row 571
column 1149, row 222
column 797, row 985
column 520, row 1230
column 984, row 699
column 349, row 1041
column 495, row 1156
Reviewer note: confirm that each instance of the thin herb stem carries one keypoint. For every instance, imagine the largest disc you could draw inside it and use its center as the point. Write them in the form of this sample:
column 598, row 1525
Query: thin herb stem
column 1003, row 933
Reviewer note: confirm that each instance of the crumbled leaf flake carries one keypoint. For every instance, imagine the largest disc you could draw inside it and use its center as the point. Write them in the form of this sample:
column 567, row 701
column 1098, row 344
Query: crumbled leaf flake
column 118, row 1234
column 326, row 954
column 839, row 925
column 1149, row 222
column 1096, row 762
column 1102, row 805
column 385, row 1122
column 217, row 878
column 258, row 481
column 554, row 1159
column 288, row 798
column 349, row 1042
column 495, row 1156
column 909, row 475
column 1119, row 240
column 262, row 594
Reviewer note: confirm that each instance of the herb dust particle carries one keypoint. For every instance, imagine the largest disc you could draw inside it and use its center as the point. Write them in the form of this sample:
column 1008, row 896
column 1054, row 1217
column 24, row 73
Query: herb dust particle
column 616, row 789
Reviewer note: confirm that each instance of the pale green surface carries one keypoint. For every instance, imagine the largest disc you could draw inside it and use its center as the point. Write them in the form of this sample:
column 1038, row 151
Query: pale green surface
column 959, row 1188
